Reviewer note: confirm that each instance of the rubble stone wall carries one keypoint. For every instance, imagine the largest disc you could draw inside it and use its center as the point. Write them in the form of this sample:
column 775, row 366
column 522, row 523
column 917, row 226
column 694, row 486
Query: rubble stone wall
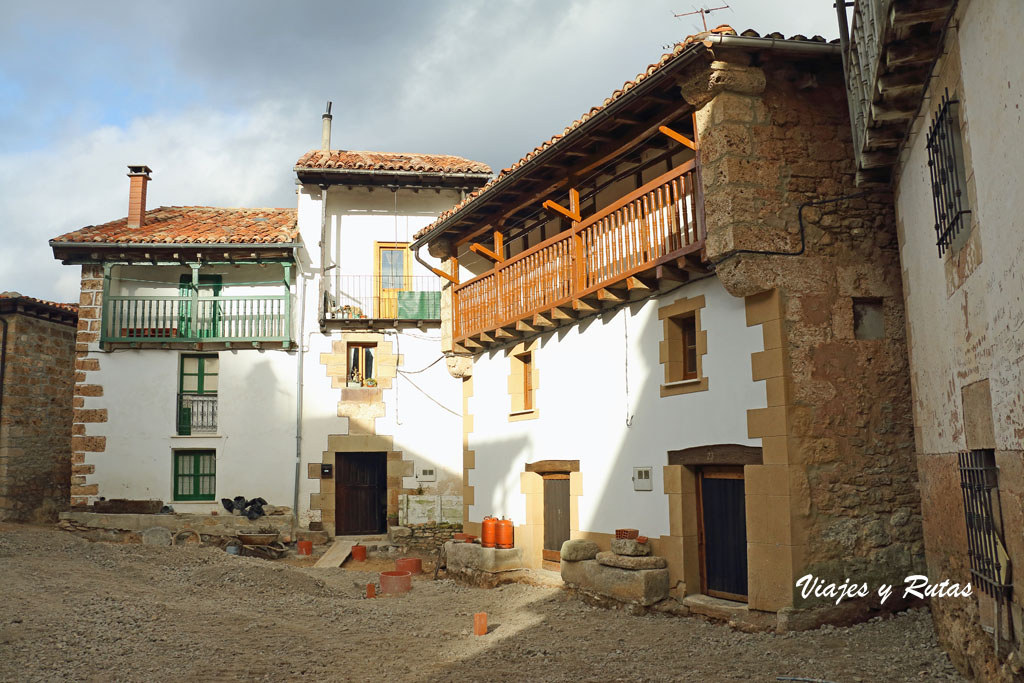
column 35, row 432
column 838, row 486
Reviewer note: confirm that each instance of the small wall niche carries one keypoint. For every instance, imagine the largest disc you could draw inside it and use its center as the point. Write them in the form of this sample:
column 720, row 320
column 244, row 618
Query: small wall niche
column 868, row 319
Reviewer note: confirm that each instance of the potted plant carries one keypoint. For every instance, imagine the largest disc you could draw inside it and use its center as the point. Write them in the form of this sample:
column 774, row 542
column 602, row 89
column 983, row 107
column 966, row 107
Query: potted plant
column 393, row 519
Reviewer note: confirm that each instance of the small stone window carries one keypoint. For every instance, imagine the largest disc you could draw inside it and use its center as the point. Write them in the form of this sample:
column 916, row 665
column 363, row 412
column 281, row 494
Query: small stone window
column 683, row 348
column 361, row 366
column 868, row 319
column 522, row 382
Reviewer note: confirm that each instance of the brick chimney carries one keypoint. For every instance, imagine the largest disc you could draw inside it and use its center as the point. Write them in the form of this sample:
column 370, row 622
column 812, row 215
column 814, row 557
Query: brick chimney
column 137, row 195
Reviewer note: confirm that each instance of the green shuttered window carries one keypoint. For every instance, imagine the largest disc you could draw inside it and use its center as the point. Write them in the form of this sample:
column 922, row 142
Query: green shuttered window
column 195, row 475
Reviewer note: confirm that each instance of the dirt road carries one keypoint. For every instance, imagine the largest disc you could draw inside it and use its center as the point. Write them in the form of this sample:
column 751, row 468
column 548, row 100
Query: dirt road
column 75, row 610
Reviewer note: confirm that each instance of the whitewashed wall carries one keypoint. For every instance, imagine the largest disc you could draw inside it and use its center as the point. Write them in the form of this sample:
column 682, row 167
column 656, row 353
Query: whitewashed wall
column 599, row 403
column 255, row 442
column 426, row 425
column 977, row 331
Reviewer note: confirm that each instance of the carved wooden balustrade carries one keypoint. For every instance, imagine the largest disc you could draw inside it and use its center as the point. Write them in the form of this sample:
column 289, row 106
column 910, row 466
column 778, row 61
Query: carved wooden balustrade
column 656, row 224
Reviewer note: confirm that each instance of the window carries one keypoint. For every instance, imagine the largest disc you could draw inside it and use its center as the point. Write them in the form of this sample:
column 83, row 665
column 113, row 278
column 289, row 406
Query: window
column 526, row 360
column 195, row 475
column 683, row 348
column 391, row 268
column 868, row 319
column 683, row 334
column 979, row 482
column 197, row 394
column 948, row 177
column 522, row 382
column 360, row 364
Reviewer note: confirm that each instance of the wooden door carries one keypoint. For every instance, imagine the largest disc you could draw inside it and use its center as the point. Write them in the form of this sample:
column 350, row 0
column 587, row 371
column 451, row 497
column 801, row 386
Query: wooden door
column 360, row 493
column 723, row 532
column 556, row 517
column 392, row 276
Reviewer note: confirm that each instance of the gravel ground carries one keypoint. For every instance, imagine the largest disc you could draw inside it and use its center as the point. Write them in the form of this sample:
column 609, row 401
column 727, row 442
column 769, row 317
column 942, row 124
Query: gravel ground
column 75, row 610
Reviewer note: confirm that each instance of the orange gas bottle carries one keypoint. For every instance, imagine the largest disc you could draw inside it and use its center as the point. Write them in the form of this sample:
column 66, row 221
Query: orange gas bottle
column 505, row 535
column 488, row 532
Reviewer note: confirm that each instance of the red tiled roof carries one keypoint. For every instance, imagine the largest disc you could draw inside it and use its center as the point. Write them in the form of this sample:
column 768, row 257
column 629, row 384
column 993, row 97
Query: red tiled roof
column 9, row 299
column 344, row 160
column 666, row 59
column 194, row 225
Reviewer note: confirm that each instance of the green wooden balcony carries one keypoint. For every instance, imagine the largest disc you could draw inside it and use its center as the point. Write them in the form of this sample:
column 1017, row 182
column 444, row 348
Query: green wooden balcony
column 135, row 319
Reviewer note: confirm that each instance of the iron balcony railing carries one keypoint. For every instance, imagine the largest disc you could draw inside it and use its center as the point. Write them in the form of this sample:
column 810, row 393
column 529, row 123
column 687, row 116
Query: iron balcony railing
column 265, row 318
column 655, row 224
column 385, row 297
column 197, row 414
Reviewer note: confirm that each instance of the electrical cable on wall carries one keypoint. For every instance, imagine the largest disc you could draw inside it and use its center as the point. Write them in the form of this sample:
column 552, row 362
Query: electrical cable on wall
column 625, row 336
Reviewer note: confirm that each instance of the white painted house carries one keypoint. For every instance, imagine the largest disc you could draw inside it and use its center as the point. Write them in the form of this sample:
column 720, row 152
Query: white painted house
column 223, row 352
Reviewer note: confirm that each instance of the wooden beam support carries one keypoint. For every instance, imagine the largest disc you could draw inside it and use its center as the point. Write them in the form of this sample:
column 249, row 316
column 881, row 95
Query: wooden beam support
column 485, row 252
column 669, row 272
column 877, row 159
column 887, row 137
column 635, row 283
column 678, row 137
column 540, row 320
column 584, row 306
column 605, row 295
column 908, row 14
column 502, row 333
column 664, row 115
column 562, row 313
column 523, row 326
column 440, row 273
column 572, row 213
column 881, row 114
column 485, row 338
column 471, row 344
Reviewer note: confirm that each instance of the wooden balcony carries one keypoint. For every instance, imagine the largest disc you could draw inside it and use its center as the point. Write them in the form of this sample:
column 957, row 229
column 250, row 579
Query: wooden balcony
column 194, row 319
column 892, row 46
column 653, row 232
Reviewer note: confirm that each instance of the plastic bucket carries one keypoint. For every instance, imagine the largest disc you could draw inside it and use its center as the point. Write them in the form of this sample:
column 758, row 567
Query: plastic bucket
column 395, row 582
column 359, row 553
column 413, row 565
column 305, row 547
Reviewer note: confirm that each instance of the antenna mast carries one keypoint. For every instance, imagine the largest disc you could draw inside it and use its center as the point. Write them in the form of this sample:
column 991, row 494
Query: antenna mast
column 702, row 12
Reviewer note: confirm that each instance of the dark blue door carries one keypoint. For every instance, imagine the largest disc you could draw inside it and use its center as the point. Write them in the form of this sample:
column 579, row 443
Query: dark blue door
column 724, row 525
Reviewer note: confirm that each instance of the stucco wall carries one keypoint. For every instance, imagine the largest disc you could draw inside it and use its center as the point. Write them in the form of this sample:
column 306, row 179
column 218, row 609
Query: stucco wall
column 599, row 402
column 965, row 315
column 255, row 440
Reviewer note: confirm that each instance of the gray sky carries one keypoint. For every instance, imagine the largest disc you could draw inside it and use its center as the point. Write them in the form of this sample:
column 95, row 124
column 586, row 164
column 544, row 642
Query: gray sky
column 220, row 98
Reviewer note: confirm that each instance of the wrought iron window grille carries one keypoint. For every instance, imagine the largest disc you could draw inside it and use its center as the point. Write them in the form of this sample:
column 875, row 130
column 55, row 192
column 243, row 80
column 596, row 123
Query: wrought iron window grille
column 948, row 179
column 978, row 479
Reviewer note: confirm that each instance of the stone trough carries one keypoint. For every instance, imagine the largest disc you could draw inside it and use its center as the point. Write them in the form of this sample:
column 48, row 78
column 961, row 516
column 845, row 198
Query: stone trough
column 628, row 574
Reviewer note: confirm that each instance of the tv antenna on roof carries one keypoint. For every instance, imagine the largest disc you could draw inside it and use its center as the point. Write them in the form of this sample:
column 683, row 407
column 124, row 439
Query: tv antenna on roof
column 702, row 12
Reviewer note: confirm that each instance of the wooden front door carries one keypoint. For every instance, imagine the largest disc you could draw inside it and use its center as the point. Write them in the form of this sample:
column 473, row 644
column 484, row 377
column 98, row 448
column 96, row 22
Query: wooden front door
column 360, row 493
column 556, row 517
column 723, row 532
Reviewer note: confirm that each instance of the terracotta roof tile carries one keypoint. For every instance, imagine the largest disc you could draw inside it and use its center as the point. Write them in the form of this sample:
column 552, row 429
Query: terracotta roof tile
column 16, row 298
column 344, row 160
column 194, row 225
column 666, row 59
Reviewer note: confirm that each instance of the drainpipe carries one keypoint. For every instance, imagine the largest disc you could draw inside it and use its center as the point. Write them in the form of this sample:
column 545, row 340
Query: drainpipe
column 299, row 384
column 323, row 259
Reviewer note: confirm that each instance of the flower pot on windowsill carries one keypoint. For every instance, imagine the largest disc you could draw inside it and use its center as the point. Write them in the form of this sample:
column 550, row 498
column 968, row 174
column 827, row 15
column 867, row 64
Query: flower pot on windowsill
column 371, row 383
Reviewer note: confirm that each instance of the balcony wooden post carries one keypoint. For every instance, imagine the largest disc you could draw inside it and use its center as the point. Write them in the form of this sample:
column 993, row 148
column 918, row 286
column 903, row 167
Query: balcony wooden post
column 454, row 278
column 105, row 321
column 287, row 305
column 579, row 266
column 194, row 313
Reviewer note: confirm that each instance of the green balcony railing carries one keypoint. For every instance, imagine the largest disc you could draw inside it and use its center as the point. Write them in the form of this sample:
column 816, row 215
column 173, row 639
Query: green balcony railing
column 265, row 318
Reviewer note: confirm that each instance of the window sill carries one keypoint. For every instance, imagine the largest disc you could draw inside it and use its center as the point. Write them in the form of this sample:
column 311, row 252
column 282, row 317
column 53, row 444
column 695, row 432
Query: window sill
column 517, row 415
column 196, row 436
column 682, row 383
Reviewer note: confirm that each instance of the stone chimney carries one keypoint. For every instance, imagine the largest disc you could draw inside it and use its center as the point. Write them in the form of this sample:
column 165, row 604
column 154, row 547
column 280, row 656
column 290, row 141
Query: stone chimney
column 325, row 136
column 137, row 195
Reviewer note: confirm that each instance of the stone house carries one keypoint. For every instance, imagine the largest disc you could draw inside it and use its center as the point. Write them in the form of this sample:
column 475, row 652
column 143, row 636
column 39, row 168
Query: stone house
column 674, row 317
column 37, row 371
column 936, row 94
column 222, row 352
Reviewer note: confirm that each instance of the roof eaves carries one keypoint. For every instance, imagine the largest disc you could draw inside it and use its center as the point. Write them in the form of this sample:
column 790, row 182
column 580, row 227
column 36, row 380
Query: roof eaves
column 689, row 54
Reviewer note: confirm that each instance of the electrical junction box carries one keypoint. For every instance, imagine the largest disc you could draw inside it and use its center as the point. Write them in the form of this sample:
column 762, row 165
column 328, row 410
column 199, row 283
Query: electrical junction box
column 426, row 474
column 642, row 479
